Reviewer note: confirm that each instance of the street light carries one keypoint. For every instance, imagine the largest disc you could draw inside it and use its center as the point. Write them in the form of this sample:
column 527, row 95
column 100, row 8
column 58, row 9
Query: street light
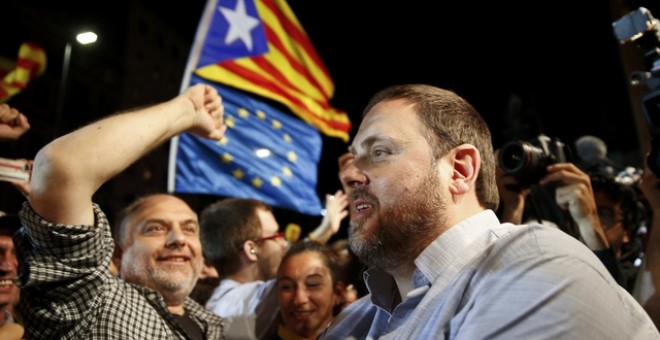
column 84, row 38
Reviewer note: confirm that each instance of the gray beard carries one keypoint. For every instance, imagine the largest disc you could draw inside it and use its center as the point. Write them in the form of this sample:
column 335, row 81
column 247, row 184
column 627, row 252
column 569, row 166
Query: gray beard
column 174, row 292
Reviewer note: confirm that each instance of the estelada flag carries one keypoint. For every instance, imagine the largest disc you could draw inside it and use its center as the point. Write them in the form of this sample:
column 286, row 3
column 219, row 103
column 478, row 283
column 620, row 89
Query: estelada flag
column 260, row 47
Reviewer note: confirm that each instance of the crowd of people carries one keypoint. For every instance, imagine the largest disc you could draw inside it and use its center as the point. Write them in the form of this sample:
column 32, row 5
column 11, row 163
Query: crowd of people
column 242, row 238
column 442, row 242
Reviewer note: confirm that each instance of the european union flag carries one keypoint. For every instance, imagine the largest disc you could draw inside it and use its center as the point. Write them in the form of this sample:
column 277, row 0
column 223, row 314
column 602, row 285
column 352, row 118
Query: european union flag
column 255, row 52
column 266, row 154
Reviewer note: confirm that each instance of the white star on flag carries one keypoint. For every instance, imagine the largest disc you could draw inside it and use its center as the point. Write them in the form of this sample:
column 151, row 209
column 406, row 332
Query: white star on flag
column 240, row 24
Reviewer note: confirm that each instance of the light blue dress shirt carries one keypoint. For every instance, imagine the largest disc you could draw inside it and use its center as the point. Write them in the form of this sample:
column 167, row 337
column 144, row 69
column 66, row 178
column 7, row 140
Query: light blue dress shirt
column 250, row 309
column 485, row 280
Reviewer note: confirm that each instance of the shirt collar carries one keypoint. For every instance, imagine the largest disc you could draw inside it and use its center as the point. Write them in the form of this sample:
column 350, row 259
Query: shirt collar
column 433, row 260
column 451, row 244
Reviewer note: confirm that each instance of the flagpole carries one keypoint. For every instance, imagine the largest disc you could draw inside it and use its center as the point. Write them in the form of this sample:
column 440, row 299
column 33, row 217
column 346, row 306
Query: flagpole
column 191, row 65
column 83, row 38
column 62, row 90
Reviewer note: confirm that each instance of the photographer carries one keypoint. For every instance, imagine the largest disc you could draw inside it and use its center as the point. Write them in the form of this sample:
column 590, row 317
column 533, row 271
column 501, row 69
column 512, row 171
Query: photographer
column 601, row 212
column 646, row 291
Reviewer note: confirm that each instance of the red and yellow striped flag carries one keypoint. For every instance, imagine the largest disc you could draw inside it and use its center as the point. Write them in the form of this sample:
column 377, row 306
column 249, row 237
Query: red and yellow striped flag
column 31, row 63
column 276, row 60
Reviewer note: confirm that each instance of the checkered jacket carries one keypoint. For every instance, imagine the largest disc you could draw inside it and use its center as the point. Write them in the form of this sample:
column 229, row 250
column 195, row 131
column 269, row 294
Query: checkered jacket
column 67, row 291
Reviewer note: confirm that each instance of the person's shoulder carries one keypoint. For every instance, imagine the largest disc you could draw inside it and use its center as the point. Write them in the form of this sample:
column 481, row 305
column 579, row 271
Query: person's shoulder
column 232, row 297
column 536, row 229
column 538, row 240
column 227, row 285
column 354, row 321
column 541, row 246
column 359, row 309
column 215, row 325
column 195, row 308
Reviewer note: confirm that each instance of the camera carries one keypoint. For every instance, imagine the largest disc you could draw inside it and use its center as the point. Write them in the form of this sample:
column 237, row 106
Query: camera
column 642, row 28
column 527, row 160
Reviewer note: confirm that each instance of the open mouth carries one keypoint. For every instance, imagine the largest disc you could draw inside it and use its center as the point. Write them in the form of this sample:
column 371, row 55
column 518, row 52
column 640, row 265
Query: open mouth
column 362, row 206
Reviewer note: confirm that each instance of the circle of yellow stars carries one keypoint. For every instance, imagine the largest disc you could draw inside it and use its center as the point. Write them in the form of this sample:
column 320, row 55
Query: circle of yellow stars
column 239, row 174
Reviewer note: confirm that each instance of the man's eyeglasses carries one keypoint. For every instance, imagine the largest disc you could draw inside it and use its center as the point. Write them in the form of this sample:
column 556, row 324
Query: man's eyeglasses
column 271, row 237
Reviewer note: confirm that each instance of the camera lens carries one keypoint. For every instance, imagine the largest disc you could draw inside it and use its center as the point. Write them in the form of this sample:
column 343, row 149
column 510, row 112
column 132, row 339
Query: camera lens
column 512, row 157
column 519, row 157
column 522, row 160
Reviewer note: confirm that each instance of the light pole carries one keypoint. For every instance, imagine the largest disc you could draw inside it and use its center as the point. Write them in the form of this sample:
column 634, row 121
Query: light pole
column 84, row 39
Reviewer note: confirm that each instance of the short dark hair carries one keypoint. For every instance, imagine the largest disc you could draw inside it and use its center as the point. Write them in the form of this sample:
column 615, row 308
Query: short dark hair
column 123, row 217
column 224, row 226
column 10, row 223
column 450, row 121
column 327, row 255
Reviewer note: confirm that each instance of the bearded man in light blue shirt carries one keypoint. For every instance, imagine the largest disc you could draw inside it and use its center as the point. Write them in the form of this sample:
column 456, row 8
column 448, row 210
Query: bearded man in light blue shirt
column 442, row 266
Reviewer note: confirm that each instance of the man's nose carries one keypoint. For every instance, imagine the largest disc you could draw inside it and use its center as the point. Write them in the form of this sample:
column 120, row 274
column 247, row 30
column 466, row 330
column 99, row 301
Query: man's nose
column 351, row 176
column 8, row 262
column 175, row 236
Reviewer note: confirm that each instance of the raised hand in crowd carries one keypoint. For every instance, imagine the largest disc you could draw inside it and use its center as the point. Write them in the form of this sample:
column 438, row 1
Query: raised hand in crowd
column 88, row 158
column 573, row 191
column 335, row 211
column 575, row 194
column 13, row 124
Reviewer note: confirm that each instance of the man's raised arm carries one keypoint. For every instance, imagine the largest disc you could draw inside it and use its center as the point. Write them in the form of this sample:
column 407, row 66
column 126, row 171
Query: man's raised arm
column 69, row 170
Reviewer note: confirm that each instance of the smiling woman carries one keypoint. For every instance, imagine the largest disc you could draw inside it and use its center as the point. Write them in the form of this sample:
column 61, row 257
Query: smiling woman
column 309, row 290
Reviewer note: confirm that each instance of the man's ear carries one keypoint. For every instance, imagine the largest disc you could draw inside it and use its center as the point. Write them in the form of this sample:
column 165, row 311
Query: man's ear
column 250, row 250
column 466, row 162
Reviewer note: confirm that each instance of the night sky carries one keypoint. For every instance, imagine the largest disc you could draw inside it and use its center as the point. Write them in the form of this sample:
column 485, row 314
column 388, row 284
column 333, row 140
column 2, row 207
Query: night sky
column 529, row 67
